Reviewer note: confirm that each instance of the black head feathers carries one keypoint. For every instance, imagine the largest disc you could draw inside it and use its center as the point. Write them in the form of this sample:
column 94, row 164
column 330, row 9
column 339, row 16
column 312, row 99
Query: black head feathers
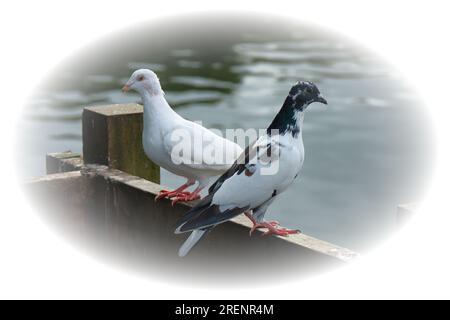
column 304, row 93
column 301, row 95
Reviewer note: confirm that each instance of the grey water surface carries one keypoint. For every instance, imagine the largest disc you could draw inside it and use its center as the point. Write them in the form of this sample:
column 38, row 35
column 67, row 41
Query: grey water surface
column 366, row 152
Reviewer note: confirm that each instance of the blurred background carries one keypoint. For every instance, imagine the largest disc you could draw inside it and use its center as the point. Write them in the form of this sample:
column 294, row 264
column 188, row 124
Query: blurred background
column 369, row 150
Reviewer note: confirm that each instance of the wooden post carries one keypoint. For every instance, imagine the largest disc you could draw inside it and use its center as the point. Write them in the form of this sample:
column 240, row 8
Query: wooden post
column 63, row 162
column 112, row 136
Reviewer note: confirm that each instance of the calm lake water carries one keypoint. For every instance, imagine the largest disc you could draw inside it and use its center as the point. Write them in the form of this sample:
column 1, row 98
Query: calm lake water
column 367, row 152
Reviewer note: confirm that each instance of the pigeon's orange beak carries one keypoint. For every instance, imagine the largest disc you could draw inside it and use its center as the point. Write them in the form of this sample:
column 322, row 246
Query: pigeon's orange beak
column 125, row 88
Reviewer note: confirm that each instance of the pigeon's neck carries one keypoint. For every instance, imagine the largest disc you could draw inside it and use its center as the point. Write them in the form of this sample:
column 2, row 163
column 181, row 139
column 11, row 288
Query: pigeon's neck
column 289, row 120
column 156, row 110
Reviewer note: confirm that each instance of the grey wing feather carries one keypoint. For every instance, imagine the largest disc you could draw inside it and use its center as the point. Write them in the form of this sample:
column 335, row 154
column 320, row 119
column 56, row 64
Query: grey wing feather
column 238, row 166
column 195, row 211
column 208, row 217
column 192, row 240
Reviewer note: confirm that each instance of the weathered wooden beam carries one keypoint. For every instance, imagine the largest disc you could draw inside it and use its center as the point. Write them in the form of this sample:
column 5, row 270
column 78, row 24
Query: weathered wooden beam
column 112, row 136
column 139, row 197
column 141, row 185
column 63, row 162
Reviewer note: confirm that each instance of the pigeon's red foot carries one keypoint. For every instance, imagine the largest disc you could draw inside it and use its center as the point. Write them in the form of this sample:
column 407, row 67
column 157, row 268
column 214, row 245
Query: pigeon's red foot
column 257, row 225
column 169, row 194
column 172, row 193
column 279, row 231
column 187, row 196
column 272, row 226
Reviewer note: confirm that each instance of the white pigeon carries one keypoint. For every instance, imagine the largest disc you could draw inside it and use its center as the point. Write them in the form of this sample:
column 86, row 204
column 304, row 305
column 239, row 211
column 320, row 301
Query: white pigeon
column 176, row 144
column 263, row 171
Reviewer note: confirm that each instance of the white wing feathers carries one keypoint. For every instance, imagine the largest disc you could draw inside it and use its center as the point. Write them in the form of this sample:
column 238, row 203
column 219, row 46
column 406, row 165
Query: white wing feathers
column 198, row 148
column 252, row 182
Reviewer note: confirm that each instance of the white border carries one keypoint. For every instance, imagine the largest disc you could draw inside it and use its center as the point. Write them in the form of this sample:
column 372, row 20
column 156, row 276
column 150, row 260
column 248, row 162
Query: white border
column 38, row 34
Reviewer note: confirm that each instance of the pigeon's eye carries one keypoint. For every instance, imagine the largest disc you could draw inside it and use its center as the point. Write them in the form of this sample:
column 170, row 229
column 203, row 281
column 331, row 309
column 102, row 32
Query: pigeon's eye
column 308, row 90
column 140, row 78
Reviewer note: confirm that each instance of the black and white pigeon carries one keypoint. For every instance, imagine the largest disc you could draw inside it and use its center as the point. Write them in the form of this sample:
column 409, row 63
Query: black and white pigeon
column 264, row 170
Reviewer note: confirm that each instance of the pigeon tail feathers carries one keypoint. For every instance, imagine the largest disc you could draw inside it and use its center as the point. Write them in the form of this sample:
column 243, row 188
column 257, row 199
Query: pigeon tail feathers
column 190, row 242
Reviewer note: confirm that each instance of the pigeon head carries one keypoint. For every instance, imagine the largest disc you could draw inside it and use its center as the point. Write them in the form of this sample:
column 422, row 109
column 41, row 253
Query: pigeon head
column 143, row 81
column 303, row 93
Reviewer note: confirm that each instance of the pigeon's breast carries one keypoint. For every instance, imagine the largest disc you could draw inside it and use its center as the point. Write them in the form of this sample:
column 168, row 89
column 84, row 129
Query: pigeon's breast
column 154, row 149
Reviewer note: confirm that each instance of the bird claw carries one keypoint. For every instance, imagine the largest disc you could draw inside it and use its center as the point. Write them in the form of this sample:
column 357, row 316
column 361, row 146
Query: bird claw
column 257, row 225
column 169, row 194
column 281, row 232
column 186, row 196
column 273, row 228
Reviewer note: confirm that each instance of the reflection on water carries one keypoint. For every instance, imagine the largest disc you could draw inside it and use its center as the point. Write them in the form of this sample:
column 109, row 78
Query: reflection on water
column 365, row 153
